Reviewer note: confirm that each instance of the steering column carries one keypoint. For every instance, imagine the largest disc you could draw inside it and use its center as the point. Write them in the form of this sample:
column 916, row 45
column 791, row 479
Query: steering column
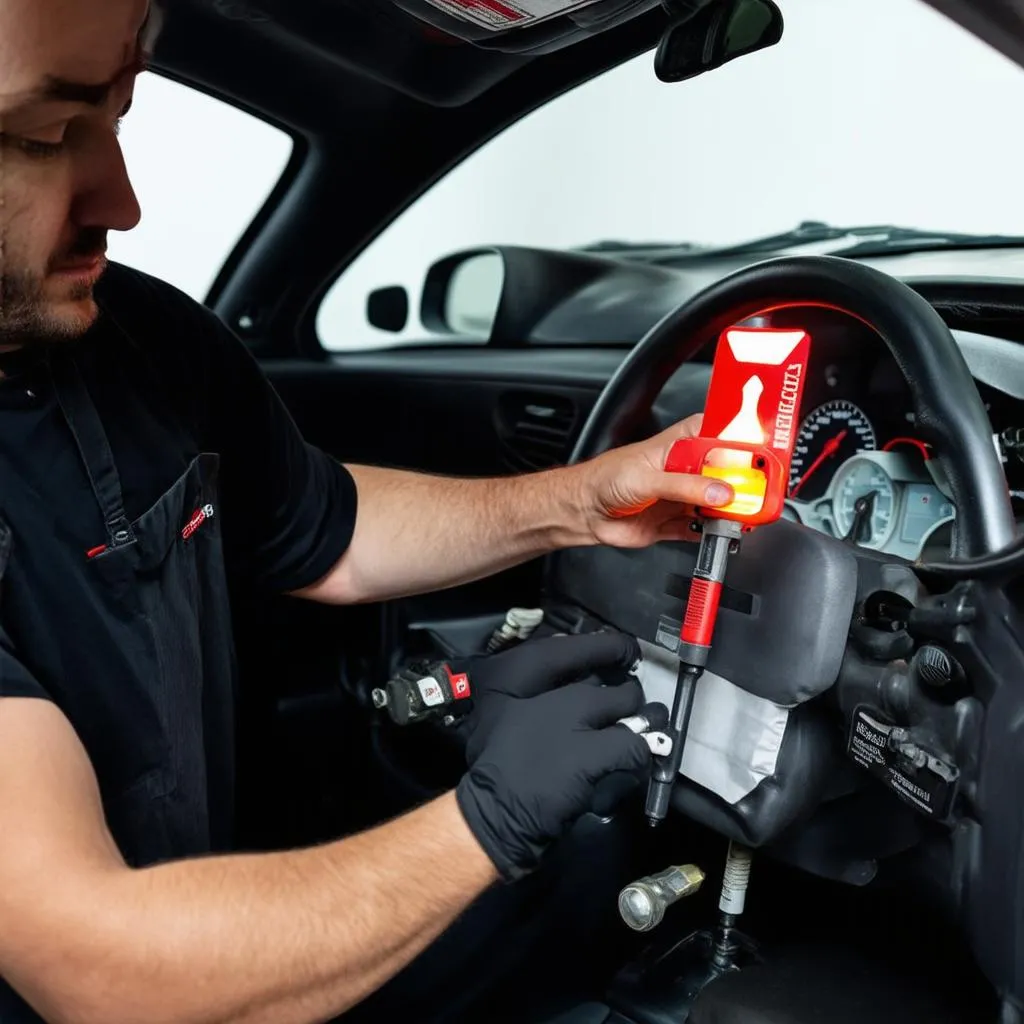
column 922, row 663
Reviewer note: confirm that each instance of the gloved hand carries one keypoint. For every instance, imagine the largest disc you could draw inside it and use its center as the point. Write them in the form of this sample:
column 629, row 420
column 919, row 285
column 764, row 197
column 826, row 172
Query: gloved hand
column 538, row 756
column 535, row 667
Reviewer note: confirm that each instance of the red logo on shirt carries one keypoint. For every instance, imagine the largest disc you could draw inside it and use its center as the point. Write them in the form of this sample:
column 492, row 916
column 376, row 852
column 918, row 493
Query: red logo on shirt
column 198, row 518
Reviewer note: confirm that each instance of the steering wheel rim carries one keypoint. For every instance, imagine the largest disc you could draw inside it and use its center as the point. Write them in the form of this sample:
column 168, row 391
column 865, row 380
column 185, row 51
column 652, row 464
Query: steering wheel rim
column 950, row 413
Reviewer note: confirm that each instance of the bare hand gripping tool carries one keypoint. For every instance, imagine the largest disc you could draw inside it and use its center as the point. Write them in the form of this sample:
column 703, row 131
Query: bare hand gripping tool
column 747, row 436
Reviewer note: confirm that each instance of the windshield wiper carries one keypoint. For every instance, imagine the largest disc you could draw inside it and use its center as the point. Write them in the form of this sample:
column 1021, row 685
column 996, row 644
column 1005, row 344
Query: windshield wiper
column 613, row 245
column 908, row 240
column 807, row 233
column 869, row 240
column 863, row 239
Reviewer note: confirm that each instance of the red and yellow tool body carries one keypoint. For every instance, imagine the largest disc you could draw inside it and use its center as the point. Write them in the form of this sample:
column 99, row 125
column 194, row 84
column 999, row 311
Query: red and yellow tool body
column 751, row 420
column 750, row 424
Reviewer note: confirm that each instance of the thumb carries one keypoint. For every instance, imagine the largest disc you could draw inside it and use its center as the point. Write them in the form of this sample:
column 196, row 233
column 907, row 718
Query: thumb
column 689, row 489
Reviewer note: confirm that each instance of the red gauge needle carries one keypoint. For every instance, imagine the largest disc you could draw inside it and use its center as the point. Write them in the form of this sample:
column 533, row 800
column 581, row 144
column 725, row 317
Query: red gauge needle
column 830, row 448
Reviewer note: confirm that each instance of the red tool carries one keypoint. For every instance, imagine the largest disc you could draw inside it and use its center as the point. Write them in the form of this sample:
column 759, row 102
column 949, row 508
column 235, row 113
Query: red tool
column 751, row 420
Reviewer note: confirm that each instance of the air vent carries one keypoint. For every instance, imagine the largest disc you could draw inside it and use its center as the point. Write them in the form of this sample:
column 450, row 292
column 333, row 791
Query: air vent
column 535, row 430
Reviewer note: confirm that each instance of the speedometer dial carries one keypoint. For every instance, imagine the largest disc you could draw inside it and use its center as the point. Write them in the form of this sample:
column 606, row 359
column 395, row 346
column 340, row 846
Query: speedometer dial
column 873, row 518
column 828, row 437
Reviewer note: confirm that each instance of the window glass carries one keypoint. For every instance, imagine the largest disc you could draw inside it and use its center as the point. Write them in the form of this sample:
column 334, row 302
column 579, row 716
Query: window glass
column 202, row 170
column 867, row 112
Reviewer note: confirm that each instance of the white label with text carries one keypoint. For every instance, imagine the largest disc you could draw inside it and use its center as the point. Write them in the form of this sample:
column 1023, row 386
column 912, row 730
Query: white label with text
column 499, row 15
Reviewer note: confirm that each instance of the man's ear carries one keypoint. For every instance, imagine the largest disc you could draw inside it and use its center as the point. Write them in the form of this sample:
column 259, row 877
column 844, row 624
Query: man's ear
column 151, row 28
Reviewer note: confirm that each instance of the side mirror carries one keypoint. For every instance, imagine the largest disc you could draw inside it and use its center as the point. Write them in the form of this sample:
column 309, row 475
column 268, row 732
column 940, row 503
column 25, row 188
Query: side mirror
column 462, row 293
column 387, row 309
column 716, row 34
column 502, row 294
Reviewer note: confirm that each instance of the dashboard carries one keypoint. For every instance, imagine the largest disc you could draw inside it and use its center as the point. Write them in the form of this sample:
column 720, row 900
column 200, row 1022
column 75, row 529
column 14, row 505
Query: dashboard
column 860, row 471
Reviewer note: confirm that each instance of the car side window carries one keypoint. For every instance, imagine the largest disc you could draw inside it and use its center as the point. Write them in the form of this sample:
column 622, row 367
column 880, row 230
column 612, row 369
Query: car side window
column 202, row 169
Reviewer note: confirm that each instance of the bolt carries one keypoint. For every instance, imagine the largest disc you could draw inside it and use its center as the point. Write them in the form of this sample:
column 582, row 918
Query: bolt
column 913, row 753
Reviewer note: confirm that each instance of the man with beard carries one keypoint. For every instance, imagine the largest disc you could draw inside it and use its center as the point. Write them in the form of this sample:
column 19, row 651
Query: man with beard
column 142, row 453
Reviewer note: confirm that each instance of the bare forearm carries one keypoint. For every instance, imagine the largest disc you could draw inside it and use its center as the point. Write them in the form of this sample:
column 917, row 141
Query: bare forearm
column 291, row 937
column 417, row 533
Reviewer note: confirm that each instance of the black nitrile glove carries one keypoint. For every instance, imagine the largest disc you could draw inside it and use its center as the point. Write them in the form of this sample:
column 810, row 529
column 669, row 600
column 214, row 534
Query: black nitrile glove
column 535, row 667
column 536, row 760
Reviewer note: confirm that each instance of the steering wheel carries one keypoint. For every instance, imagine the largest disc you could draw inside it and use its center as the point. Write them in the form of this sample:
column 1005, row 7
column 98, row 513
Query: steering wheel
column 817, row 601
column 950, row 413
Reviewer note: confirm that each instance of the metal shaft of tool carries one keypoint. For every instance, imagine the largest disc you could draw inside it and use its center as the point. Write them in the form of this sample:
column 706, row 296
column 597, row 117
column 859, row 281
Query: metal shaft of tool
column 667, row 768
column 694, row 646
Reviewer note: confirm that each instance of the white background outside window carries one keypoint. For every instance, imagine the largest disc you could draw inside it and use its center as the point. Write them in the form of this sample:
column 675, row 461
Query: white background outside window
column 868, row 111
column 202, row 170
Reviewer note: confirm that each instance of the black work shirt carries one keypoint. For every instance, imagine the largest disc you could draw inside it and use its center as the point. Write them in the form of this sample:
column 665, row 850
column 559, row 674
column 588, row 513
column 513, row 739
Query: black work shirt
column 169, row 381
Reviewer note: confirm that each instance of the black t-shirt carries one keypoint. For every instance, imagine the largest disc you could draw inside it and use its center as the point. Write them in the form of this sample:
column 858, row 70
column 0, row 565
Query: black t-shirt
column 169, row 381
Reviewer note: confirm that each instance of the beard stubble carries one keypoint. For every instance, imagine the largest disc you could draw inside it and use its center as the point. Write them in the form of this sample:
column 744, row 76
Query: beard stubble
column 24, row 318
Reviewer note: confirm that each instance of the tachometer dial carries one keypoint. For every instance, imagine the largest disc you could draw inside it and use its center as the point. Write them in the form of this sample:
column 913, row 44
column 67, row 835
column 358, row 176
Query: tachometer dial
column 828, row 437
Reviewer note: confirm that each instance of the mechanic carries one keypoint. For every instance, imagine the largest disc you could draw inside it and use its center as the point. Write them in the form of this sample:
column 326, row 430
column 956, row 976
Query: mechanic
column 144, row 458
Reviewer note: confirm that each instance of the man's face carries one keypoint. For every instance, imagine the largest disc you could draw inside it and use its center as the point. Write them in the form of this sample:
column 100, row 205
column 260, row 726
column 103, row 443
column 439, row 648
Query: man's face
column 67, row 73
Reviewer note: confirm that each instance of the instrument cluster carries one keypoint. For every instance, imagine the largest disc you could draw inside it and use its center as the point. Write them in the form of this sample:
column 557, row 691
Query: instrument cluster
column 859, row 471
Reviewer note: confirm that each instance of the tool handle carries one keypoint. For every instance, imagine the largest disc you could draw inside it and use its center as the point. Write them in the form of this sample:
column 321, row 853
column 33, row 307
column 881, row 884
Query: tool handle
column 759, row 481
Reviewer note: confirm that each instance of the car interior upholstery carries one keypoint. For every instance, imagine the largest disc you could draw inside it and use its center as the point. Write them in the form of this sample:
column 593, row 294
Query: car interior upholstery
column 891, row 891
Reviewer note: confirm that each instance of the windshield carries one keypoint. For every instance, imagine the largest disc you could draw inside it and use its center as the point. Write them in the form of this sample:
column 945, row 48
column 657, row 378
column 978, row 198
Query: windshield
column 867, row 112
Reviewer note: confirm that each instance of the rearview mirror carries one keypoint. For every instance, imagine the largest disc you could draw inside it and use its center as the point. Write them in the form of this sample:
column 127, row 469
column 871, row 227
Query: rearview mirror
column 714, row 35
column 387, row 309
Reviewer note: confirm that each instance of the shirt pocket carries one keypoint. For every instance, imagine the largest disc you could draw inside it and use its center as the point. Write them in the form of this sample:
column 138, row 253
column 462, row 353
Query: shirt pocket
column 164, row 567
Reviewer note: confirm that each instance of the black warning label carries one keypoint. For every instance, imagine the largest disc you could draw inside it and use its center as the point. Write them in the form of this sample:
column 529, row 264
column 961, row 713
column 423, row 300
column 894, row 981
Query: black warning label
column 923, row 780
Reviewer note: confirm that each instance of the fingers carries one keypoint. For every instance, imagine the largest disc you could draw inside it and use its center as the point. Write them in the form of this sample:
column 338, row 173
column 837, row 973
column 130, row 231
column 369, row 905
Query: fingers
column 678, row 528
column 613, row 750
column 595, row 707
column 692, row 488
column 537, row 666
column 690, row 427
column 657, row 714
